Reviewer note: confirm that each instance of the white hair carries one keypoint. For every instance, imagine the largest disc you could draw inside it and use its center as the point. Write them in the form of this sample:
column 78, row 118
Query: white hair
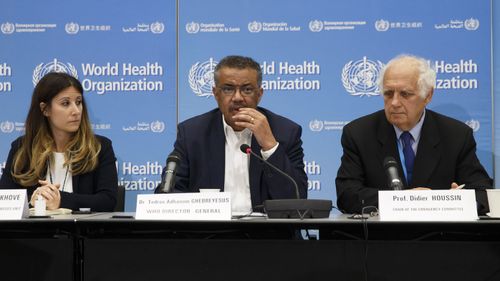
column 426, row 74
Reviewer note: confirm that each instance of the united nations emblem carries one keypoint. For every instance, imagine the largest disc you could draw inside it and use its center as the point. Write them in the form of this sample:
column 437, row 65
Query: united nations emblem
column 53, row 66
column 316, row 125
column 7, row 127
column 72, row 28
column 157, row 126
column 471, row 24
column 192, row 27
column 382, row 25
column 201, row 78
column 360, row 77
column 473, row 124
column 254, row 26
column 157, row 27
column 7, row 28
column 315, row 25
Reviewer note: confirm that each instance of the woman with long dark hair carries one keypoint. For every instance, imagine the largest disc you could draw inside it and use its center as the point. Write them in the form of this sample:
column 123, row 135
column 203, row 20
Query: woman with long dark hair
column 59, row 157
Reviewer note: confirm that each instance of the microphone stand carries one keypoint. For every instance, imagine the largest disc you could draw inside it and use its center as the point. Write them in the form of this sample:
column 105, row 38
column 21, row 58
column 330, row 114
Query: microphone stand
column 292, row 208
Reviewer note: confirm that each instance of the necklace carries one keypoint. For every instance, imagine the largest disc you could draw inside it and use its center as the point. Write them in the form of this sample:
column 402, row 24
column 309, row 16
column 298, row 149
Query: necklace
column 65, row 175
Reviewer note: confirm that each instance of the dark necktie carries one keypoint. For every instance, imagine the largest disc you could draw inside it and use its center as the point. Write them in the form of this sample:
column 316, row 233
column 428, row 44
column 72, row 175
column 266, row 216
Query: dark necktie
column 409, row 155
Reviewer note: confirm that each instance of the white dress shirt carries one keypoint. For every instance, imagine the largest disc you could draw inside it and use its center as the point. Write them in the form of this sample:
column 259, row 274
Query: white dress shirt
column 58, row 172
column 236, row 173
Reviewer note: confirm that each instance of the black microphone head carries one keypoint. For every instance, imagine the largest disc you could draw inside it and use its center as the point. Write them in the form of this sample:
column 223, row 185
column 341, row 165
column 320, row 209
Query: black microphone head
column 244, row 147
column 174, row 157
column 389, row 161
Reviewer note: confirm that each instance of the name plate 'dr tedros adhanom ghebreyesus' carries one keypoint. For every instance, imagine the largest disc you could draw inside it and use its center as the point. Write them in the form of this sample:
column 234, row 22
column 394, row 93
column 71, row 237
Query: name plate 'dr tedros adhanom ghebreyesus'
column 184, row 206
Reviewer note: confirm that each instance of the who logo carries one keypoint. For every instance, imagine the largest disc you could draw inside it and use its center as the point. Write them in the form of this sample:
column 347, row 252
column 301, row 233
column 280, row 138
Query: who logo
column 382, row 25
column 7, row 28
column 255, row 26
column 53, row 66
column 360, row 77
column 7, row 127
column 473, row 124
column 72, row 28
column 157, row 27
column 316, row 25
column 157, row 126
column 192, row 27
column 471, row 24
column 201, row 77
column 316, row 125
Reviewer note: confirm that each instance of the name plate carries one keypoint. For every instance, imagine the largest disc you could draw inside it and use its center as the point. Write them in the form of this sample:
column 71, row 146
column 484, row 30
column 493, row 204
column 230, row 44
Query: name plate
column 13, row 204
column 427, row 205
column 184, row 206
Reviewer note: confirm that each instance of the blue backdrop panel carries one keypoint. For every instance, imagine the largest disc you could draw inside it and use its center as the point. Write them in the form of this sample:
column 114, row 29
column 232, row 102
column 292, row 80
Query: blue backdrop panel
column 496, row 80
column 123, row 52
column 321, row 60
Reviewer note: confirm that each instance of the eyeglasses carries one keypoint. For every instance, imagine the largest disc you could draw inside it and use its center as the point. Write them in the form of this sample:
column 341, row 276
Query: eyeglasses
column 244, row 90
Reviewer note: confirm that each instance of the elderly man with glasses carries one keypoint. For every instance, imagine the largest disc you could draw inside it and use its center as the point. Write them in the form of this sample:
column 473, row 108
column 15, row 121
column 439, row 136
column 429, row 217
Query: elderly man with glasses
column 209, row 144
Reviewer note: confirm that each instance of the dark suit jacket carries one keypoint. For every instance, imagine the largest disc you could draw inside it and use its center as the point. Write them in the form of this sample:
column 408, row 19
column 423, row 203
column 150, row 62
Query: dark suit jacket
column 95, row 190
column 201, row 146
column 446, row 153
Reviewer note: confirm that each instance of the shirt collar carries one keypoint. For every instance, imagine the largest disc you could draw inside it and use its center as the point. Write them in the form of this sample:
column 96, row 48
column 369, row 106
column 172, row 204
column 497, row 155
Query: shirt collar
column 415, row 131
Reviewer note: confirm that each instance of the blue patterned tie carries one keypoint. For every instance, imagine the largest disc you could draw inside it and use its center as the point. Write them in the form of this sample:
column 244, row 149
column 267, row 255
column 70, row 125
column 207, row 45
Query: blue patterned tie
column 409, row 155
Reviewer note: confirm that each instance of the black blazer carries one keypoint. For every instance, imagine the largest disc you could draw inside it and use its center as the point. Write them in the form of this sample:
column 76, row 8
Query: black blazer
column 446, row 153
column 201, row 145
column 95, row 190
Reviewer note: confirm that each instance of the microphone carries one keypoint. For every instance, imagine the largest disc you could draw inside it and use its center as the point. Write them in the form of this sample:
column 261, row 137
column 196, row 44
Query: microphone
column 168, row 180
column 391, row 170
column 291, row 208
column 245, row 148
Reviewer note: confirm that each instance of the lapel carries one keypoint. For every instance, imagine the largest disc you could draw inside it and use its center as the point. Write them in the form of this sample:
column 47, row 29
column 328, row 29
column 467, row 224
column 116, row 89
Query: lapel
column 217, row 151
column 255, row 173
column 75, row 183
column 386, row 137
column 428, row 154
